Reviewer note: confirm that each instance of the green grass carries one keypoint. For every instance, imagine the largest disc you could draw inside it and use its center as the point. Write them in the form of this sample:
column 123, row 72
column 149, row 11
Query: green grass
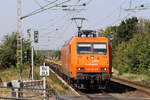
column 52, row 81
column 140, row 78
column 57, row 85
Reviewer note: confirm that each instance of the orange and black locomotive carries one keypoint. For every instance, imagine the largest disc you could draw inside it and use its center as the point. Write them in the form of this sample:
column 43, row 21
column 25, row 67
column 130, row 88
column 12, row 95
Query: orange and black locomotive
column 87, row 61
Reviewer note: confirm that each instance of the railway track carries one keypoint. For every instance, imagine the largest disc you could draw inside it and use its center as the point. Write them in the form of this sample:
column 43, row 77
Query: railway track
column 140, row 87
column 117, row 90
column 96, row 95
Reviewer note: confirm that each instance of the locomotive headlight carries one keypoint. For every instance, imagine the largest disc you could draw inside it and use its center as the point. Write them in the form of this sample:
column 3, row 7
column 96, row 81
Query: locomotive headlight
column 103, row 69
column 80, row 69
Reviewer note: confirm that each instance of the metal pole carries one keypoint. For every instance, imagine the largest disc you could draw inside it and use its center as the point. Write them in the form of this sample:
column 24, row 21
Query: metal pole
column 44, row 85
column 19, row 39
column 48, row 54
column 48, row 47
column 32, row 64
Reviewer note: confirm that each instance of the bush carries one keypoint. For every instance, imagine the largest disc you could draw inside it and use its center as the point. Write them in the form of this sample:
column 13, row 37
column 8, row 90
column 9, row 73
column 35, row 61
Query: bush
column 8, row 56
column 133, row 56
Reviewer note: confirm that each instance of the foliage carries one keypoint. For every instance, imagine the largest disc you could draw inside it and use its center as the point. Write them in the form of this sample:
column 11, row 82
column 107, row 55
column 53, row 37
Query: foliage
column 8, row 50
column 26, row 47
column 109, row 31
column 118, row 59
column 132, row 47
column 58, row 54
column 38, row 58
column 125, row 31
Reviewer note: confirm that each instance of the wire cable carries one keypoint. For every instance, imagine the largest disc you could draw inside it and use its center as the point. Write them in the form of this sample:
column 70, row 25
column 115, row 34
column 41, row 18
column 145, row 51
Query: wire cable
column 47, row 0
column 62, row 18
column 113, row 12
column 43, row 8
column 38, row 3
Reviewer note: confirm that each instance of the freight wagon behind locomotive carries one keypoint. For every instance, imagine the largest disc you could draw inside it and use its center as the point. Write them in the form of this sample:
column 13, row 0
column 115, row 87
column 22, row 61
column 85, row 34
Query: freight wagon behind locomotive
column 86, row 60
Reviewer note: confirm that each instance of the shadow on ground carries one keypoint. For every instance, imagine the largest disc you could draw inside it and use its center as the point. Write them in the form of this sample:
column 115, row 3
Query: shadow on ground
column 112, row 88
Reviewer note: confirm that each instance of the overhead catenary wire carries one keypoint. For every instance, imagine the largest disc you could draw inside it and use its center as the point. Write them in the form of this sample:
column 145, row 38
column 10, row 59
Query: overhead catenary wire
column 65, row 31
column 43, row 8
column 38, row 3
column 63, row 9
column 55, row 21
column 53, row 4
column 74, row 16
column 132, row 10
column 53, row 24
column 47, row 0
column 142, row 6
column 66, row 28
column 121, row 19
column 110, row 15
column 125, row 17
column 78, row 6
column 58, row 29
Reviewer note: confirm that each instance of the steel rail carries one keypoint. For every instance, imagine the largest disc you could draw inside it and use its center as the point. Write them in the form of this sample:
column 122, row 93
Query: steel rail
column 140, row 87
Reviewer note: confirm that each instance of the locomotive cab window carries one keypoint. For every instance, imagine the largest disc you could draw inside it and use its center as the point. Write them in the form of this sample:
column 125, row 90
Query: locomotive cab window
column 84, row 48
column 91, row 48
column 99, row 48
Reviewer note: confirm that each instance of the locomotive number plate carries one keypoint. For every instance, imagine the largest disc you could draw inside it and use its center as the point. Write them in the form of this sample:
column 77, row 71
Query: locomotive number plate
column 92, row 69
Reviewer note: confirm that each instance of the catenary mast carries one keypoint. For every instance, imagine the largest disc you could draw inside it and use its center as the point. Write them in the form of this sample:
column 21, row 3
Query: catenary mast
column 19, row 38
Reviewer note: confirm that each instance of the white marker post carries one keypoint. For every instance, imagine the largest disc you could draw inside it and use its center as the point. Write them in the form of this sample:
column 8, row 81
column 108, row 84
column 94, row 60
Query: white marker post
column 32, row 63
column 44, row 71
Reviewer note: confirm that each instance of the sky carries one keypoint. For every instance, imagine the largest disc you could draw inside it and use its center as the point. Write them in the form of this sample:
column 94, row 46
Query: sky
column 55, row 25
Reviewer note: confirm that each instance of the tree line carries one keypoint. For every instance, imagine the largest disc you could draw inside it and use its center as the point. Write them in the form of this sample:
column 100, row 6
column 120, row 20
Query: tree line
column 130, row 45
column 8, row 54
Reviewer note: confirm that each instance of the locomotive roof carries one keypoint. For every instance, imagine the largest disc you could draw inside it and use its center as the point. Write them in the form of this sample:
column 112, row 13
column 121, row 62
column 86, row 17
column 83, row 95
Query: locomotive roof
column 83, row 38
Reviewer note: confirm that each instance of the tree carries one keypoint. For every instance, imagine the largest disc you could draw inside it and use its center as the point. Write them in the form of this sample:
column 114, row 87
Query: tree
column 133, row 56
column 38, row 58
column 109, row 31
column 132, row 46
column 119, row 57
column 100, row 33
column 8, row 52
column 126, row 30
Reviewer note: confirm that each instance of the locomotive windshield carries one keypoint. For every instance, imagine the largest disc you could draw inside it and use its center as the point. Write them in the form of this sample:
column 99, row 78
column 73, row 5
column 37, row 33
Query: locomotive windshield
column 99, row 48
column 84, row 48
column 91, row 48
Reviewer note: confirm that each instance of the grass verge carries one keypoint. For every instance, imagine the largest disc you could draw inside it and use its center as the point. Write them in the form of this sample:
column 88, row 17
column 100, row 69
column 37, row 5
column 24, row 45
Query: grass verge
column 52, row 81
column 140, row 78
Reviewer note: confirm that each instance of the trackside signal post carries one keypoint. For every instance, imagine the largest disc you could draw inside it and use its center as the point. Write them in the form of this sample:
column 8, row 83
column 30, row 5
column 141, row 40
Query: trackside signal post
column 44, row 71
column 31, row 54
column 36, row 33
column 36, row 36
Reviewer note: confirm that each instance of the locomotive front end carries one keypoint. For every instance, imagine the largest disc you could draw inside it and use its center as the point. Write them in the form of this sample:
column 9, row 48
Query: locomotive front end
column 92, row 64
column 92, row 60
